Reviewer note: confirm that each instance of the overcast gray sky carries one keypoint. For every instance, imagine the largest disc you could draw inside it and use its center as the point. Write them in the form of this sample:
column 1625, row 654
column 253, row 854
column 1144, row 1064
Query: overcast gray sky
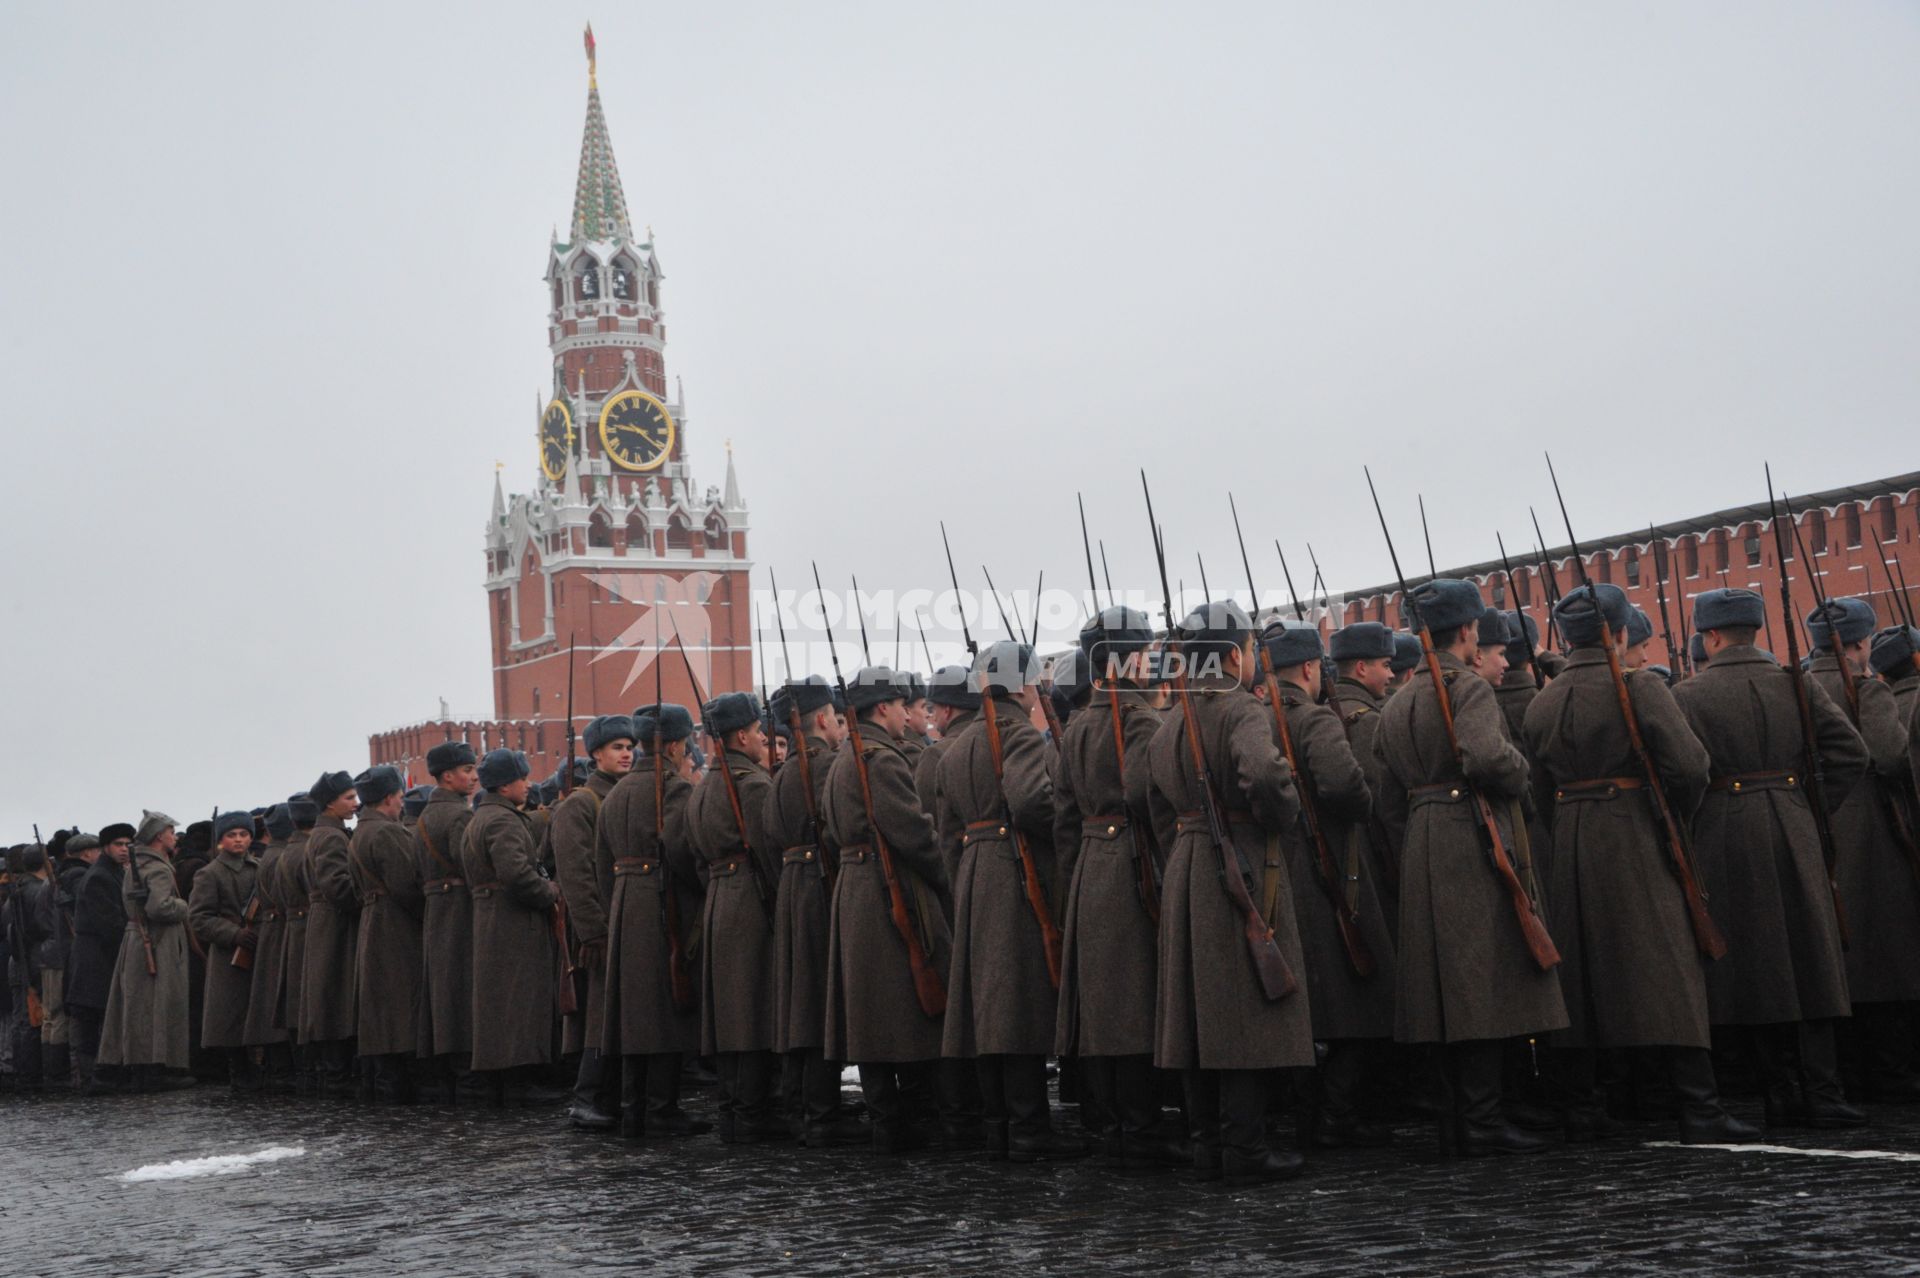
column 270, row 309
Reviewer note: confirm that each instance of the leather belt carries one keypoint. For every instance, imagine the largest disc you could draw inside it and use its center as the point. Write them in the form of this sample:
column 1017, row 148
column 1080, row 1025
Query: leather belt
column 1197, row 819
column 1741, row 782
column 296, row 914
column 800, row 854
column 1440, row 792
column 1601, row 788
column 1113, row 822
column 625, row 865
column 856, row 853
column 438, row 886
column 484, row 889
column 983, row 830
column 275, row 914
column 368, row 898
column 726, row 866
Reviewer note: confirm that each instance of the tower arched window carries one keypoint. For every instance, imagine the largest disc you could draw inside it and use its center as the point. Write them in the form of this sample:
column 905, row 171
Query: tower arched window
column 679, row 532
column 586, row 281
column 625, row 283
column 716, row 532
column 637, row 534
column 600, row 529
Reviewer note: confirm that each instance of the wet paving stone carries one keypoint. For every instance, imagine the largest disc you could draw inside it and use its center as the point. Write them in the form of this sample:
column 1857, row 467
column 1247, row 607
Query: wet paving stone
column 469, row 1191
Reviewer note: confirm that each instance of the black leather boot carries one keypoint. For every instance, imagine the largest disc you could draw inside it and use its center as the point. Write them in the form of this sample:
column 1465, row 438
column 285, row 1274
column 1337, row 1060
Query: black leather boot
column 664, row 1115
column 1484, row 1128
column 1827, row 1106
column 1703, row 1119
column 585, row 1112
column 633, row 1103
column 1202, row 1090
column 1245, row 1155
column 1336, row 1122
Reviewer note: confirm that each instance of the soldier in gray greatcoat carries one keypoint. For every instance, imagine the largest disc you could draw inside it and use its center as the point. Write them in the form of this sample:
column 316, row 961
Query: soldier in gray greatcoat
column 1630, row 966
column 1879, row 863
column 327, row 983
column 1468, row 979
column 1895, row 657
column 573, row 836
column 516, row 966
column 803, row 915
column 1214, row 1018
column 99, row 926
column 1350, row 989
column 1364, row 654
column 1110, row 928
column 649, row 874
column 296, row 884
column 386, row 877
column 446, row 926
column 1760, row 859
column 216, row 911
column 884, row 1015
column 266, row 978
column 996, row 790
column 146, row 1019
column 726, row 819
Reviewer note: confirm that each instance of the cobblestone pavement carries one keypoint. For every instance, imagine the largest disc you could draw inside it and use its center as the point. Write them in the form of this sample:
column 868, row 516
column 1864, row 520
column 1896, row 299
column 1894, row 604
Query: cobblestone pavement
column 471, row 1191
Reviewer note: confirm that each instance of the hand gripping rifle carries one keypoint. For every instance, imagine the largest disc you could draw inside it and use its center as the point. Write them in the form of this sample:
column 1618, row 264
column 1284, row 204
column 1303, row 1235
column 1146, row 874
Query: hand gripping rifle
column 1236, row 878
column 928, row 988
column 1147, row 879
column 1895, row 812
column 1706, row 935
column 1339, row 886
column 679, row 980
column 1029, row 872
column 569, row 990
column 1809, row 739
column 802, row 751
column 761, row 889
column 1487, row 827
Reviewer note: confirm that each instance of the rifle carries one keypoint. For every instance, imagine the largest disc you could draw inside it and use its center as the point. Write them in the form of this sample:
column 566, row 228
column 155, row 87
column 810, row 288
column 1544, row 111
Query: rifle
column 1816, row 773
column 679, row 982
column 242, row 958
column 138, row 893
column 1333, row 882
column 1029, row 872
column 802, row 751
column 925, row 651
column 1093, row 586
column 1895, row 812
column 1532, row 929
column 1105, row 576
column 569, row 993
column 973, row 649
column 1148, row 881
column 1426, row 536
column 1236, row 878
column 1706, row 936
column 861, row 617
column 1546, row 566
column 566, row 777
column 1014, row 628
column 759, row 877
column 1676, row 657
column 928, row 988
column 1533, row 659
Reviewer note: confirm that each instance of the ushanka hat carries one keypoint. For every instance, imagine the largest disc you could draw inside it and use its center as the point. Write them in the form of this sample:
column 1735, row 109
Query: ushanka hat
column 227, row 822
column 730, row 712
column 675, row 723
column 1446, row 603
column 1361, row 641
column 1583, row 610
column 1851, row 619
column 608, row 728
column 449, row 755
column 378, row 783
column 503, row 767
column 1291, row 643
column 329, row 787
column 1729, row 608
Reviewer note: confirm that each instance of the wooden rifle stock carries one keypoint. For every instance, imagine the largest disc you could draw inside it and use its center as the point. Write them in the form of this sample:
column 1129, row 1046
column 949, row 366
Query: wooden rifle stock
column 1540, row 945
column 1149, row 869
column 1029, row 872
column 243, row 954
column 568, row 994
column 927, row 985
column 1331, row 879
column 806, row 785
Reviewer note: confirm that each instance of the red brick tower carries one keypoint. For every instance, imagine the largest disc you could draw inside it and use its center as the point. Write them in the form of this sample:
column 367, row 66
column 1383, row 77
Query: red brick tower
column 614, row 521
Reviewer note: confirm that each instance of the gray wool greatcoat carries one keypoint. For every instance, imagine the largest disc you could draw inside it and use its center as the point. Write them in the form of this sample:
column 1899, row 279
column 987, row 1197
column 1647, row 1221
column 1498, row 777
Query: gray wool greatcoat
column 1757, row 849
column 297, row 883
column 1346, row 1005
column 446, row 927
column 216, row 912
column 926, row 784
column 1211, row 1011
column 1630, row 970
column 642, row 881
column 1000, row 998
column 266, row 981
column 803, row 909
column 516, row 966
column 1514, row 695
column 147, row 1014
column 743, row 865
column 1878, row 886
column 386, row 875
column 572, row 835
column 1110, row 960
column 1465, row 972
column 1359, row 713
column 873, row 1014
column 327, row 984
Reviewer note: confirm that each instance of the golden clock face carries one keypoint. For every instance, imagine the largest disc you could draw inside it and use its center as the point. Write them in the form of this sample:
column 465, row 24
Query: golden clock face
column 556, row 440
column 636, row 430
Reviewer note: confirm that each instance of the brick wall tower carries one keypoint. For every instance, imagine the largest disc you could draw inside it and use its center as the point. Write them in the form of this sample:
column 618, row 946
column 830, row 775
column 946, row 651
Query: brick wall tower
column 615, row 520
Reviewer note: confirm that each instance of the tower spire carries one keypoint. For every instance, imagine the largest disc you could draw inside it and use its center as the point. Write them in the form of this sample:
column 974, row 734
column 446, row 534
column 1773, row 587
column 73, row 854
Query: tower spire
column 599, row 203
